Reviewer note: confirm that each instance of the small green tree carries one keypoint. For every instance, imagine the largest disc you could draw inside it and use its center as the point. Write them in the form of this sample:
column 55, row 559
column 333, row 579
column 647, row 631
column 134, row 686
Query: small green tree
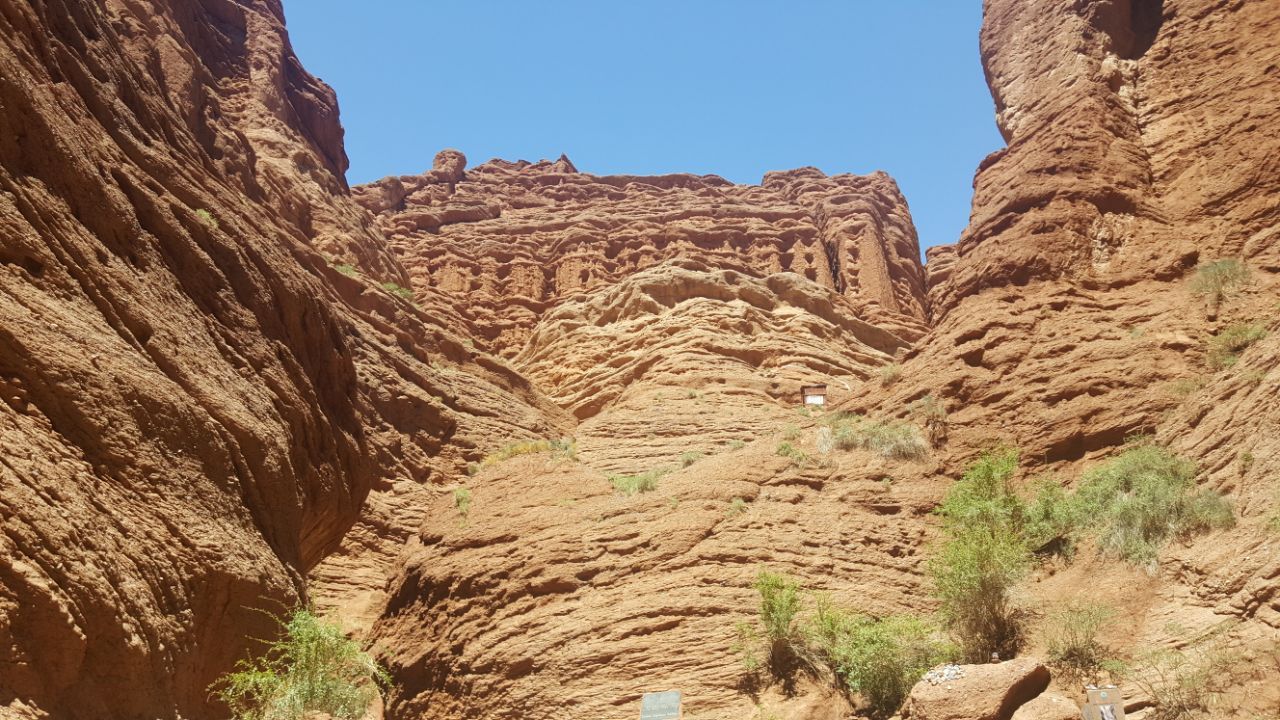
column 313, row 668
column 983, row 557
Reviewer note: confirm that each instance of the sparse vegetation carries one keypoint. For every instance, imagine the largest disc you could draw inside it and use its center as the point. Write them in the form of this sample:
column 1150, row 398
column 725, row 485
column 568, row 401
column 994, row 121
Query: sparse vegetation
column 737, row 444
column 1226, row 346
column 347, row 269
column 1185, row 387
column 563, row 448
column 791, row 433
column 889, row 374
column 641, row 483
column 312, row 669
column 878, row 658
column 787, row 450
column 400, row 292
column 1071, row 637
column 462, row 501
column 1187, row 683
column 689, row 458
column 737, row 506
column 893, row 440
column 207, row 218
column 985, row 554
column 1143, row 497
column 931, row 414
column 1216, row 280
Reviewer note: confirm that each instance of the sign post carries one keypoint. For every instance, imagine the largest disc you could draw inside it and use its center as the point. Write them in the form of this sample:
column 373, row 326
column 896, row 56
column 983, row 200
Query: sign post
column 661, row 706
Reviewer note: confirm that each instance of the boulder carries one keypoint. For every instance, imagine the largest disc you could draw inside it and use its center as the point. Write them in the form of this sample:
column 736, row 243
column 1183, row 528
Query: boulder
column 1048, row 706
column 978, row 692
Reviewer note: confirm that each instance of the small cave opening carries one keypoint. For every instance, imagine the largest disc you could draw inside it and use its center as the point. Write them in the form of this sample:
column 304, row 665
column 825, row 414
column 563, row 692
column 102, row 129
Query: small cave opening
column 1145, row 19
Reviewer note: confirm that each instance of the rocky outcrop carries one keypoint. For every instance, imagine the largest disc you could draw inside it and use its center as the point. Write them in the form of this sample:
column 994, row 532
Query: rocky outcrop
column 501, row 244
column 1063, row 316
column 980, row 692
column 555, row 589
column 194, row 402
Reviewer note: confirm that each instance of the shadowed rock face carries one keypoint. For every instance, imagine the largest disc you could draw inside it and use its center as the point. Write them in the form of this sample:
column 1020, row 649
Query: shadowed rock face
column 193, row 402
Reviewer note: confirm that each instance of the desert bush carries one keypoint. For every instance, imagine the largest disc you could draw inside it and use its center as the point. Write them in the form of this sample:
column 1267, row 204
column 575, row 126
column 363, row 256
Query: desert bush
column 1226, row 346
column 313, row 669
column 889, row 374
column 207, row 218
column 347, row 269
column 893, row 440
column 737, row 444
column 1071, row 638
column 563, row 448
column 791, row 433
column 1143, row 497
column 787, row 450
column 1217, row 279
column 400, row 292
column 1050, row 520
column 632, row 484
column 881, row 659
column 462, row 500
column 931, row 414
column 689, row 458
column 737, row 506
column 983, row 556
column 878, row 658
column 1188, row 683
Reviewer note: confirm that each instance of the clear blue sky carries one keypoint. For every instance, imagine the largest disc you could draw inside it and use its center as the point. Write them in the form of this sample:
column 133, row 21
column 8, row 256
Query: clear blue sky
column 731, row 87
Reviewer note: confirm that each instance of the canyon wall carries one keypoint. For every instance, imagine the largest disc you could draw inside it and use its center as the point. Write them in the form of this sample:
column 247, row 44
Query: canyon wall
column 195, row 402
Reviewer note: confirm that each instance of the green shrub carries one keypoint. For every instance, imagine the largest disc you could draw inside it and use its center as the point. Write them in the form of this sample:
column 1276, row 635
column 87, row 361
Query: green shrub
column 1226, row 346
column 983, row 556
column 791, row 432
column 462, row 500
column 689, row 458
column 207, row 218
column 737, row 444
column 632, row 484
column 787, row 450
column 1219, row 278
column 779, row 605
column 314, row 668
column 400, row 292
column 1071, row 637
column 1143, row 497
column 737, row 507
column 880, row 659
column 347, row 269
column 893, row 440
column 1050, row 520
column 563, row 448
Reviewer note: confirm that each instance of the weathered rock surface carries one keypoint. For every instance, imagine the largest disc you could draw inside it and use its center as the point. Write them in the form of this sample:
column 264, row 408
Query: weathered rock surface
column 983, row 692
column 501, row 244
column 193, row 401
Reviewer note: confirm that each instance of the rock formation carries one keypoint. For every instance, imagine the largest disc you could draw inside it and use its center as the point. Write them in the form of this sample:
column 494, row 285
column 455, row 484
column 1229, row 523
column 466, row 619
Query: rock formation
column 195, row 401
column 230, row 383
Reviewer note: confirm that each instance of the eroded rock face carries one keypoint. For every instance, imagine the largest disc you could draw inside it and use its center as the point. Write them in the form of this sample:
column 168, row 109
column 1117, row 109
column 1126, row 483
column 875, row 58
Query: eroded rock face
column 193, row 402
column 502, row 243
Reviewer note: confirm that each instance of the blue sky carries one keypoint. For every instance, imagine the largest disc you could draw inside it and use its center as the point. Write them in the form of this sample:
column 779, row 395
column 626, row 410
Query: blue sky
column 731, row 87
